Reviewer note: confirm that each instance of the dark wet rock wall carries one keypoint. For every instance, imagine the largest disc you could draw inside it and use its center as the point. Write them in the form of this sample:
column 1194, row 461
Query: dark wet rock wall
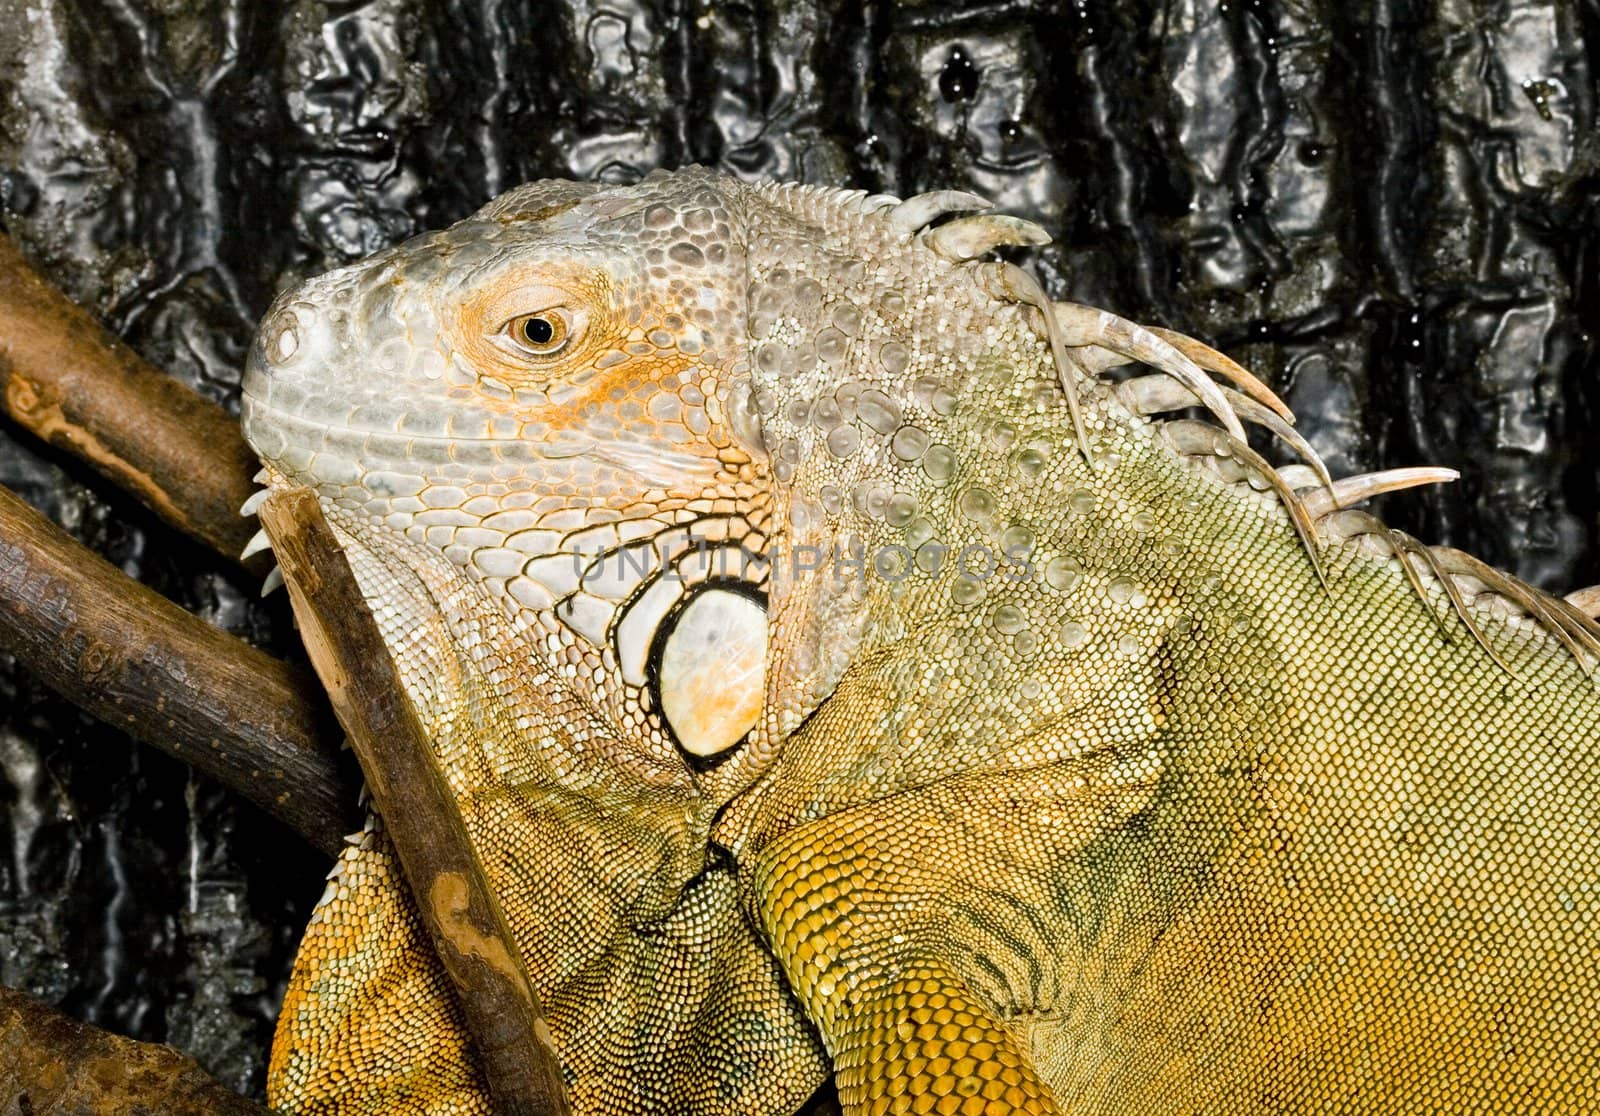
column 1387, row 207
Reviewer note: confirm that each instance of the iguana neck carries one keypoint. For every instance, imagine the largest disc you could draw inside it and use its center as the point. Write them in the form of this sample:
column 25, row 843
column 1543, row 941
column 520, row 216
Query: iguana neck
column 484, row 687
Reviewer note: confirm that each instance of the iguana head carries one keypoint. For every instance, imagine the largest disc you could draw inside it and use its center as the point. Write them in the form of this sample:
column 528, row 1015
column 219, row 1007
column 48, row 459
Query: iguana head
column 542, row 395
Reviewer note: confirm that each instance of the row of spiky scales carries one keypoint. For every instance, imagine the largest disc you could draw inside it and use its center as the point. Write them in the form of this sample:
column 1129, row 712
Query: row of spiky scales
column 1086, row 342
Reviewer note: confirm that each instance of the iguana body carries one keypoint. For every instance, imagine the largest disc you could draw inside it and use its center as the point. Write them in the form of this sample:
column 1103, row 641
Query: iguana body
column 1083, row 794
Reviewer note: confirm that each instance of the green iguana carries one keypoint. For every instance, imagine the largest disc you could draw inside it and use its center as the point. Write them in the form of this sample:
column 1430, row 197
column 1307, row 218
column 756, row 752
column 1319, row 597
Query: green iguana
column 839, row 672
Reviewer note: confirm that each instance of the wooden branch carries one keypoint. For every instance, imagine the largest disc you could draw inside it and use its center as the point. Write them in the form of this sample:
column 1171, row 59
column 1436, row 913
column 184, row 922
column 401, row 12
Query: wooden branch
column 418, row 809
column 68, row 380
column 139, row 662
column 51, row 1063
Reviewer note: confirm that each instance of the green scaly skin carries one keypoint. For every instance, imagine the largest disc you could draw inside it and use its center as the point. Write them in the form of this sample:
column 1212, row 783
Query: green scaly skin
column 1084, row 794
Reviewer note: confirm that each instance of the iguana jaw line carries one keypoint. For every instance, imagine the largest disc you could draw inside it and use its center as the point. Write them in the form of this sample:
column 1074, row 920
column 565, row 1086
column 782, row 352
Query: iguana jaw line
column 654, row 465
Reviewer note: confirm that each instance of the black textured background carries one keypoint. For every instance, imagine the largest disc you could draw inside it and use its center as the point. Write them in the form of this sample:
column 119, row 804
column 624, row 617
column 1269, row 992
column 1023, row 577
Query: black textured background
column 1387, row 208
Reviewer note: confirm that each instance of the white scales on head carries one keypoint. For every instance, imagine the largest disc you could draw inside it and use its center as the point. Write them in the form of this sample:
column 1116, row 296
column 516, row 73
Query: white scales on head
column 550, row 414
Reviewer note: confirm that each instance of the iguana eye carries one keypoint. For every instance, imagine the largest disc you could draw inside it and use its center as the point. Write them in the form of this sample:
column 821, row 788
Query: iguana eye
column 540, row 334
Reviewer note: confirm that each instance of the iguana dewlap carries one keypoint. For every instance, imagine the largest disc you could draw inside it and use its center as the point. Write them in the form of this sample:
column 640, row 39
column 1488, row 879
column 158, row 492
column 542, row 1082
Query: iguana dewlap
column 838, row 674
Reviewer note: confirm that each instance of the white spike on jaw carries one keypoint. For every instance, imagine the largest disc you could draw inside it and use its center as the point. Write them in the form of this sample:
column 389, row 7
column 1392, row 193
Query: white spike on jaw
column 916, row 213
column 972, row 237
column 1348, row 491
column 261, row 475
column 253, row 505
column 272, row 582
column 258, row 542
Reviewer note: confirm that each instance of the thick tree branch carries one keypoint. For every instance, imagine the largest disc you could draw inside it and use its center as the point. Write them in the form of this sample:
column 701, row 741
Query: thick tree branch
column 50, row 1063
column 72, row 383
column 139, row 662
column 418, row 809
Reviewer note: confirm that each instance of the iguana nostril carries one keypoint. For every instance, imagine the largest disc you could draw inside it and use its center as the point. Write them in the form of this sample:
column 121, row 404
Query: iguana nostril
column 285, row 336
column 307, row 331
column 284, row 345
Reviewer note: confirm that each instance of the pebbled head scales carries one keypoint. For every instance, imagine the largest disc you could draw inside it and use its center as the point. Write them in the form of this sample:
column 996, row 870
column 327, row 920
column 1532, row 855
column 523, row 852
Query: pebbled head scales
column 540, row 395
